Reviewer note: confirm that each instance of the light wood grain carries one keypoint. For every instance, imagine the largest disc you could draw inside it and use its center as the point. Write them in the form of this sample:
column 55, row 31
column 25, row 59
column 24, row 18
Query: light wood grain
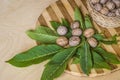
column 66, row 9
column 15, row 18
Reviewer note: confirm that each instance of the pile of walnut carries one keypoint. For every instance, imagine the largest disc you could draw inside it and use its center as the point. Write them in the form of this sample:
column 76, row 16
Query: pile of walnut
column 76, row 33
column 109, row 8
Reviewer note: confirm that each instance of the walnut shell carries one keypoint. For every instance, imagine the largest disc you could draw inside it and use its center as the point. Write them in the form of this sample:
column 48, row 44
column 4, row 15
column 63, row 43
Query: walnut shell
column 118, row 12
column 110, row 5
column 111, row 14
column 62, row 41
column 104, row 11
column 75, row 25
column 62, row 30
column 117, row 3
column 98, row 7
column 74, row 41
column 103, row 1
column 77, row 32
column 89, row 32
column 95, row 1
column 93, row 42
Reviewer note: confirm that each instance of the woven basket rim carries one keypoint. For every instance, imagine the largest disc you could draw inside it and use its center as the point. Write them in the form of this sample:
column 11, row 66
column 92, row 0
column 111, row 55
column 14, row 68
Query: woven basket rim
column 91, row 75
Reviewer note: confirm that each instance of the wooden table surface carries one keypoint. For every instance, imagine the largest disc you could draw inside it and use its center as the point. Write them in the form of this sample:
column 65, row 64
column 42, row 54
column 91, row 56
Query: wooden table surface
column 17, row 16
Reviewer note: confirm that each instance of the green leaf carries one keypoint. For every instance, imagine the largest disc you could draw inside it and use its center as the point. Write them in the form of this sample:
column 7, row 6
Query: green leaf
column 34, row 55
column 80, row 50
column 69, row 34
column 99, row 62
column 43, row 34
column 78, row 17
column 55, row 24
column 45, row 30
column 88, row 22
column 110, row 41
column 77, row 56
column 104, row 40
column 86, row 58
column 76, row 60
column 109, row 57
column 99, row 36
column 57, row 64
column 65, row 23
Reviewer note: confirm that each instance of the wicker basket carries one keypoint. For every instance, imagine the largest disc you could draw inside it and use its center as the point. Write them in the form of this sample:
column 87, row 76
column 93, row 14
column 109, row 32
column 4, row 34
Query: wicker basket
column 102, row 20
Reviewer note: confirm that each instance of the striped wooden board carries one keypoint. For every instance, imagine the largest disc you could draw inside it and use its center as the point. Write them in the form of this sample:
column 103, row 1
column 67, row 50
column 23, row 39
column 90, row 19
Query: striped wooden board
column 65, row 9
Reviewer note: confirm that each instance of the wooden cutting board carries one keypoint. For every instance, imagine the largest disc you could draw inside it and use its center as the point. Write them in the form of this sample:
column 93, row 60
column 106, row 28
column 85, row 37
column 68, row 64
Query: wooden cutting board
column 65, row 9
